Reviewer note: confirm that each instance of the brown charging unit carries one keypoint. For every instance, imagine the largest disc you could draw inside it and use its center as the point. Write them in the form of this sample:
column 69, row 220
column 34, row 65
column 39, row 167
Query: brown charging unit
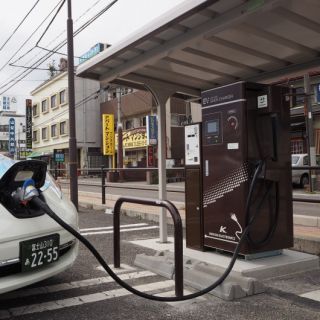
column 242, row 125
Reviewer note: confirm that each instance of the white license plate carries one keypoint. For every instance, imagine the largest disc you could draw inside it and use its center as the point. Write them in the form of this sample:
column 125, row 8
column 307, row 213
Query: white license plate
column 39, row 252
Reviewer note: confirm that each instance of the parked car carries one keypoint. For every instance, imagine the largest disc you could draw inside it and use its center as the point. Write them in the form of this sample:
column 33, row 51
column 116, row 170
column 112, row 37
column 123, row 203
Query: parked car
column 300, row 177
column 33, row 247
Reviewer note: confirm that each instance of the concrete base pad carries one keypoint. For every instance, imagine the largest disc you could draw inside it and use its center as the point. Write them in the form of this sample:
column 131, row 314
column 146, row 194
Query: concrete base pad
column 203, row 268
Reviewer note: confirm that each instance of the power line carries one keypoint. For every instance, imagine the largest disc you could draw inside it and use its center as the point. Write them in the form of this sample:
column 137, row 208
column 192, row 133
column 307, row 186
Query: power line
column 59, row 35
column 31, row 68
column 48, row 50
column 15, row 30
column 59, row 46
column 50, row 23
column 13, row 63
column 85, row 25
column 27, row 40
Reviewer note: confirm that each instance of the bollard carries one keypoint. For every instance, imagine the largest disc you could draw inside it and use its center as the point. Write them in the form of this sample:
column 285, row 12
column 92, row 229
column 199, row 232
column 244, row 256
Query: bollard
column 103, row 183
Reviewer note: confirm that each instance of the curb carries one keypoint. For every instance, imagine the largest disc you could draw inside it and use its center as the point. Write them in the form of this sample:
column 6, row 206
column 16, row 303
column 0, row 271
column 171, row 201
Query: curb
column 302, row 243
column 307, row 221
column 301, row 220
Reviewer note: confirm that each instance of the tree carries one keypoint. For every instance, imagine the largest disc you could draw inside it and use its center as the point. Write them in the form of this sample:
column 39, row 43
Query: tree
column 52, row 69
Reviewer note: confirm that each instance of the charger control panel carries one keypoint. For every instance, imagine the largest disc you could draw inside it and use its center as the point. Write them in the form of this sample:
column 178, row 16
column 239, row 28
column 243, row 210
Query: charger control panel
column 192, row 134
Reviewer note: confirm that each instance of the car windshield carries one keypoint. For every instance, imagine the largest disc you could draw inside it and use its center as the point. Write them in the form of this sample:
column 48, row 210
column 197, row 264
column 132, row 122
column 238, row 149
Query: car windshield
column 294, row 159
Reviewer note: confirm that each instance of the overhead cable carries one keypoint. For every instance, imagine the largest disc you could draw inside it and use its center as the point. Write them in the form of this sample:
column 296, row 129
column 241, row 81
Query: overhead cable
column 59, row 46
column 22, row 21
column 27, row 40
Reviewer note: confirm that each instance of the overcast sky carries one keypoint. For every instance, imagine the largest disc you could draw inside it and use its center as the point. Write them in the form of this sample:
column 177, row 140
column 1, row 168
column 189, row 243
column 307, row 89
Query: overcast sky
column 123, row 18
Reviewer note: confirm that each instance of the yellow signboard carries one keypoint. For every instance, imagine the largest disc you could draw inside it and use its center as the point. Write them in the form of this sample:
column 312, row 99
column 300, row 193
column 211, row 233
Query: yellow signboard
column 135, row 138
column 108, row 134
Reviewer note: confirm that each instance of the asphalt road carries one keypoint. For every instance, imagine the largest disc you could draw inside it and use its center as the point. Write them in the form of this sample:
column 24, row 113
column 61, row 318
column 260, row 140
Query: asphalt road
column 85, row 292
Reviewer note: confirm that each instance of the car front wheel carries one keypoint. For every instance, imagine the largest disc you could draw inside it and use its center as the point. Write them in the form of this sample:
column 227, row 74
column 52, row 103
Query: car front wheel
column 304, row 180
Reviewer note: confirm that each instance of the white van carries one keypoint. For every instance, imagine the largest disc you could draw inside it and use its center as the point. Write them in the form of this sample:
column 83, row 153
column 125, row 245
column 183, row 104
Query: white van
column 300, row 177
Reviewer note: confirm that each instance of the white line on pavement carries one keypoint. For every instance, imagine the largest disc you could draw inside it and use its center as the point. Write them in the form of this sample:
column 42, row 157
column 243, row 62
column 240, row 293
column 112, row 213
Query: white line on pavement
column 75, row 285
column 314, row 295
column 111, row 227
column 81, row 300
column 123, row 230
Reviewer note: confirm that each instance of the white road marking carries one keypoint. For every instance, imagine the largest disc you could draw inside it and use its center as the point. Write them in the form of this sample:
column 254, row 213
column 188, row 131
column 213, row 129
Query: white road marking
column 123, row 230
column 111, row 227
column 75, row 285
column 314, row 295
column 81, row 300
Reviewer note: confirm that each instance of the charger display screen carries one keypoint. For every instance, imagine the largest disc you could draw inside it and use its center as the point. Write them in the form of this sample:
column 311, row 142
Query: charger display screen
column 213, row 127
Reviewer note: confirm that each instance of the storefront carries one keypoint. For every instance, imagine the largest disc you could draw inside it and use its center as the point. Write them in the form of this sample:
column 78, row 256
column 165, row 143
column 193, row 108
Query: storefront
column 134, row 147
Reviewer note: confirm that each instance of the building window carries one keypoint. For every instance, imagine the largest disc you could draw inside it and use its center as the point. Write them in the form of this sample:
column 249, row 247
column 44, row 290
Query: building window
column 143, row 121
column 53, row 101
column 44, row 106
column 317, row 141
column 35, row 110
column 54, row 131
column 128, row 124
column 35, row 136
column 4, row 145
column 62, row 97
column 6, row 103
column 44, row 133
column 297, row 146
column 299, row 97
column 4, row 128
column 63, row 128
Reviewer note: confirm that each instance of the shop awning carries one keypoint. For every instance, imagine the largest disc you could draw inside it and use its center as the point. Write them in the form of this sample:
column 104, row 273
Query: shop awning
column 37, row 154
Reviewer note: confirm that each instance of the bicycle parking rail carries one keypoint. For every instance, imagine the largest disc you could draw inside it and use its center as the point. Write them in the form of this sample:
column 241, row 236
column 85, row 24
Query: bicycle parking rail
column 178, row 235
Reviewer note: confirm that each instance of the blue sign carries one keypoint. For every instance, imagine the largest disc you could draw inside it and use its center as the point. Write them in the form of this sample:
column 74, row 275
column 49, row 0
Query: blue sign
column 12, row 135
column 92, row 52
column 152, row 130
column 58, row 155
column 318, row 92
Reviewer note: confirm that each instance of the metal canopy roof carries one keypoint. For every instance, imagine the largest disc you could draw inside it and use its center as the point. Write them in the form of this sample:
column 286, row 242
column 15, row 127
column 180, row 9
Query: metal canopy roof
column 202, row 44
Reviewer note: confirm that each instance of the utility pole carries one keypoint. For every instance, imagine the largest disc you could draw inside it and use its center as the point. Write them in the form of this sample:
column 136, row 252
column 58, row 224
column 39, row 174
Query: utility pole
column 309, row 129
column 119, row 131
column 72, row 122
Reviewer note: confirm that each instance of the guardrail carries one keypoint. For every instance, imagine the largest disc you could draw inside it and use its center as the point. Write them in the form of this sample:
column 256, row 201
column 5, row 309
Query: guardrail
column 178, row 235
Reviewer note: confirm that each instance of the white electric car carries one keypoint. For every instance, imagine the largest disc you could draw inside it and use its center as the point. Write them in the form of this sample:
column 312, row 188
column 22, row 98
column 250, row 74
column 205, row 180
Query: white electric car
column 33, row 247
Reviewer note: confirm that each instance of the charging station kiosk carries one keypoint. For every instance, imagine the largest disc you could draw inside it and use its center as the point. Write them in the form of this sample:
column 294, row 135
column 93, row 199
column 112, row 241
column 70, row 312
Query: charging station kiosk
column 243, row 124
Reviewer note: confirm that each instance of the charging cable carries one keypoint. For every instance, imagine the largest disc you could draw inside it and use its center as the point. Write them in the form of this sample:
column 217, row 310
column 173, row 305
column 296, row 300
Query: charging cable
column 42, row 205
